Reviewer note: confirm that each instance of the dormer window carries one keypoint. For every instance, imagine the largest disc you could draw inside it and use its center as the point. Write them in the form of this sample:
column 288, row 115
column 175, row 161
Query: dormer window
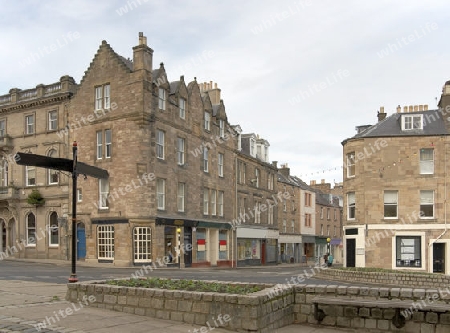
column 412, row 122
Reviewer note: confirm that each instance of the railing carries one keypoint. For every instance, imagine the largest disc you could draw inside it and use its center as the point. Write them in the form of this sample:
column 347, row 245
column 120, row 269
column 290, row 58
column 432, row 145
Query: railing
column 27, row 94
column 52, row 88
column 5, row 99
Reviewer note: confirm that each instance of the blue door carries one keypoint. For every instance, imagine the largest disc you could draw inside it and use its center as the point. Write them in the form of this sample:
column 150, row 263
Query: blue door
column 81, row 242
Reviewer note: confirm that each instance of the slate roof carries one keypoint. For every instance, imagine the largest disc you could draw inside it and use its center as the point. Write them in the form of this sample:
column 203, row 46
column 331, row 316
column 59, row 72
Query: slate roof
column 174, row 86
column 433, row 124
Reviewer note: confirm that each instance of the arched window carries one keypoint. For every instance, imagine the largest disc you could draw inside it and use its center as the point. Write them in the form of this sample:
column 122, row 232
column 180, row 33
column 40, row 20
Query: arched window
column 31, row 229
column 53, row 230
column 53, row 175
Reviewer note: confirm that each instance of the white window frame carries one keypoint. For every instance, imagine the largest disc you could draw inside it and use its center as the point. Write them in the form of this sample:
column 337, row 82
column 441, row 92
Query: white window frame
column 351, row 205
column 408, row 234
column 258, row 212
column 213, row 202
column 426, row 199
column 30, row 181
column 31, row 230
column 207, row 121
column 181, row 143
column 4, row 167
column 182, row 103
column 388, row 199
column 29, row 124
column 205, row 201
column 257, row 175
column 161, row 193
column 181, row 190
column 99, row 135
column 221, row 128
column 220, row 196
column 103, row 193
column 79, row 195
column 52, row 121
column 51, row 173
column 102, row 97
column 270, row 213
column 108, row 143
column 351, row 164
column 292, row 226
column 2, row 128
column 284, row 225
column 105, row 242
column 160, row 140
column 412, row 122
column 142, row 238
column 162, row 99
column 53, row 230
column 205, row 159
column 220, row 158
column 426, row 164
column 270, row 181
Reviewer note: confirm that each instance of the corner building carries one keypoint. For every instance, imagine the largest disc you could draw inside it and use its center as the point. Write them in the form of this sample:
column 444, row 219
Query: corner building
column 395, row 189
column 170, row 154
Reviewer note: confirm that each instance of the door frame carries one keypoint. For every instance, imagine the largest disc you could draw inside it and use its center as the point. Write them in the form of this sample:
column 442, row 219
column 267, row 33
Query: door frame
column 446, row 254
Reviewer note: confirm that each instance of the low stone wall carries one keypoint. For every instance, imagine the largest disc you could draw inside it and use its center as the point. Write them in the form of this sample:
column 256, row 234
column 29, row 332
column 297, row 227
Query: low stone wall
column 256, row 312
column 278, row 306
column 410, row 279
column 365, row 316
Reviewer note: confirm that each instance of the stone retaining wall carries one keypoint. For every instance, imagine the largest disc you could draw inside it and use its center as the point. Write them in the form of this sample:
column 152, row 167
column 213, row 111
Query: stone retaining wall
column 275, row 306
column 371, row 318
column 249, row 313
column 410, row 279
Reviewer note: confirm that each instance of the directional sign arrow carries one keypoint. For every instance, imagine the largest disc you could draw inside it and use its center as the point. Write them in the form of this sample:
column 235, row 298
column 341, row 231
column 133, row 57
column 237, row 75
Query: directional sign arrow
column 62, row 164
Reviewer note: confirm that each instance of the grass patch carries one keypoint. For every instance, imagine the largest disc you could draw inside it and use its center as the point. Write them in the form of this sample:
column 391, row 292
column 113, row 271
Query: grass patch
column 189, row 285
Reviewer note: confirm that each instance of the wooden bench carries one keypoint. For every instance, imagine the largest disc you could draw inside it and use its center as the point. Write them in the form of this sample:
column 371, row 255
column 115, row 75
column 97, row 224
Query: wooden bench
column 398, row 320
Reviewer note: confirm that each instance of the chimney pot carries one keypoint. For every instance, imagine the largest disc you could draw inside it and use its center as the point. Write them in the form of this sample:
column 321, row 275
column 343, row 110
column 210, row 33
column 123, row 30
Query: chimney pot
column 420, row 107
column 425, row 107
column 405, row 109
column 411, row 108
column 416, row 108
column 215, row 85
column 381, row 109
column 322, row 181
column 399, row 109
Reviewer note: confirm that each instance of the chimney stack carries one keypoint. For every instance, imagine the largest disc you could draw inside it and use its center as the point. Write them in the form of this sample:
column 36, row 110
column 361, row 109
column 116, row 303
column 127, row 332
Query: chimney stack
column 399, row 109
column 142, row 55
column 381, row 115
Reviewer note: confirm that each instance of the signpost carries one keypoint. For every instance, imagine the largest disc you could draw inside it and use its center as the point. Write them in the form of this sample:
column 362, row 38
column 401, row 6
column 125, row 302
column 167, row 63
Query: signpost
column 74, row 167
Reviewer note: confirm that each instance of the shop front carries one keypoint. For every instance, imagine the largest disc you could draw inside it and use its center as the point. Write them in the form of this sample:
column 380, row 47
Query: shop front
column 256, row 246
column 290, row 248
column 193, row 243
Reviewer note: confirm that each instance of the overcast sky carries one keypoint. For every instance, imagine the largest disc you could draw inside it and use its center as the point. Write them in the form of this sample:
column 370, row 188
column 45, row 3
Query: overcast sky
column 301, row 74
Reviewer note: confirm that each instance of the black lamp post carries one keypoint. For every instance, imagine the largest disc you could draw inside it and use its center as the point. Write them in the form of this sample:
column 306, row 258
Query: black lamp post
column 73, row 276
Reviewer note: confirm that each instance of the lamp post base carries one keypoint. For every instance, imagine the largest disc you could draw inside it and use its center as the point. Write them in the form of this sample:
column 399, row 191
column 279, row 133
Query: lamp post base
column 73, row 278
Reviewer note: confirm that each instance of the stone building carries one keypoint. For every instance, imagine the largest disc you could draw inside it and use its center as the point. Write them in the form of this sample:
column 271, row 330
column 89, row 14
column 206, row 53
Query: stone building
column 257, row 201
column 170, row 154
column 30, row 121
column 296, row 218
column 395, row 190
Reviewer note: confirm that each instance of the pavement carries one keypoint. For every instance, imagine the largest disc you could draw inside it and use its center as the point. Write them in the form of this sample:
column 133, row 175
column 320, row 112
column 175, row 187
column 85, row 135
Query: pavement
column 26, row 304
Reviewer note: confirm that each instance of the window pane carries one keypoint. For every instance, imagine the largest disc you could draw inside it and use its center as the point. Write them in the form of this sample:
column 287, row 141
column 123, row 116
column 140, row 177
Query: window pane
column 106, row 96
column 99, row 144
column 105, row 240
column 98, row 98
column 142, row 244
column 108, row 143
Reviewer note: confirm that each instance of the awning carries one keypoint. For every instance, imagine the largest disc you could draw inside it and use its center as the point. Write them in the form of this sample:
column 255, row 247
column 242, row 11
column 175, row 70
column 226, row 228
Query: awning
column 335, row 241
column 108, row 221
